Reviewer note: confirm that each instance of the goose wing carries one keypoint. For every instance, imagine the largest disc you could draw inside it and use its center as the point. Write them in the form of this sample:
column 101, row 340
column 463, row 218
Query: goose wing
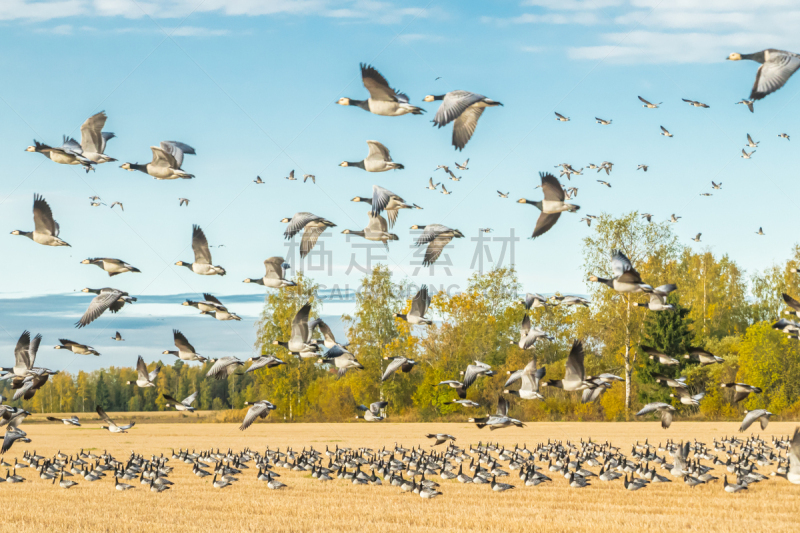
column 465, row 125
column 525, row 327
column 200, row 246
column 544, row 223
column 98, row 305
column 141, row 368
column 325, row 329
column 420, row 303
column 300, row 328
column 258, row 409
column 651, row 408
column 435, row 249
column 666, row 418
column 376, row 84
column 378, row 151
column 376, row 407
column 620, row 263
column 471, row 374
column 154, row 374
column 396, row 363
column 298, row 222
column 453, row 105
column 751, row 417
column 43, row 217
column 181, row 342
column 176, row 150
column 311, row 235
column 773, row 74
column 92, row 133
column 33, row 348
column 162, row 158
column 791, row 302
column 645, row 101
column 189, row 400
column 213, row 299
column 502, row 407
column 274, row 268
column 381, row 198
column 514, row 376
column 552, row 188
column 574, row 369
column 102, row 414
column 794, row 453
column 21, row 357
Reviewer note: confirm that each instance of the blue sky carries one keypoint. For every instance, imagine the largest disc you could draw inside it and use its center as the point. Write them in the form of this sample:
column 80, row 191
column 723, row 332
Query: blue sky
column 252, row 85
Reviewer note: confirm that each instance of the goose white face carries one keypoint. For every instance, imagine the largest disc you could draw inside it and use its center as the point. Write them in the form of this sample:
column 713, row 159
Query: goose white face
column 343, row 101
column 126, row 166
column 30, row 149
column 343, row 164
column 428, row 98
column 735, row 57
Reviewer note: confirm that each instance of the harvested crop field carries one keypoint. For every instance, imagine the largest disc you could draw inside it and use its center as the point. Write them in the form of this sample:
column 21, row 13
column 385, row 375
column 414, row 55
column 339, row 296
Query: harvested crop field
column 339, row 506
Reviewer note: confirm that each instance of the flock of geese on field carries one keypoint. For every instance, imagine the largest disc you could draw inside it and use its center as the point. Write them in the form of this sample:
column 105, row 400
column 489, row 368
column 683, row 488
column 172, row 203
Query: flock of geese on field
column 693, row 463
column 463, row 109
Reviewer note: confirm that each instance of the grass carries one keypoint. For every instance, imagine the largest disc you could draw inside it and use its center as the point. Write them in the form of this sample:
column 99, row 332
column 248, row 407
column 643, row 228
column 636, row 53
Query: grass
column 338, row 506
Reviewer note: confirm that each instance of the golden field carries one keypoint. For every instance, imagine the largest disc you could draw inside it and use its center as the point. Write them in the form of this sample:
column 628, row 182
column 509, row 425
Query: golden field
column 338, row 506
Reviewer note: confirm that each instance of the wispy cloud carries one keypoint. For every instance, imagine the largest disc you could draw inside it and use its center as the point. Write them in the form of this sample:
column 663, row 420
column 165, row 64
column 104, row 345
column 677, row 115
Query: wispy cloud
column 379, row 11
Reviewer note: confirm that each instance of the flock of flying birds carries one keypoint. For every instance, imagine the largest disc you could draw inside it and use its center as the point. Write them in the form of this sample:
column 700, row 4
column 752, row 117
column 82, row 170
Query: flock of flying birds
column 463, row 109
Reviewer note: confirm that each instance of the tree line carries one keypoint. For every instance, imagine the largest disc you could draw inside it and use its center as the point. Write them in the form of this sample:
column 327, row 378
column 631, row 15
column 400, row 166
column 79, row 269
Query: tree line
column 718, row 306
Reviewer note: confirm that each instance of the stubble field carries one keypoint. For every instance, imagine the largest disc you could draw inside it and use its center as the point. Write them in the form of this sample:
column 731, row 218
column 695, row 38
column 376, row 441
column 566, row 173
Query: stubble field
column 339, row 506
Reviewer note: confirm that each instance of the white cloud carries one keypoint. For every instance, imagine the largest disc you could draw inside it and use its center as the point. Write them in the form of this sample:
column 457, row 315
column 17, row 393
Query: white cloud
column 373, row 10
column 194, row 31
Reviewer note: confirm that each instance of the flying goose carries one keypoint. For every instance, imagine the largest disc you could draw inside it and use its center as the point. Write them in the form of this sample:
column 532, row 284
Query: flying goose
column 777, row 66
column 312, row 177
column 704, row 357
column 648, row 104
column 648, row 217
column 529, row 386
column 601, row 182
column 574, row 373
column 528, row 335
column 74, row 347
column 383, row 100
column 695, row 103
column 674, row 219
column 107, row 298
column 119, row 204
column 377, row 160
column 312, row 227
column 746, row 155
column 373, row 412
column 112, row 427
column 658, row 296
column 784, row 136
column 626, row 278
column 440, row 438
column 503, row 194
column 224, row 367
column 463, row 166
column 748, row 103
column 793, row 474
column 13, row 435
column 263, row 361
column 659, row 357
column 697, row 237
column 300, row 342
column 213, row 307
column 72, row 421
column 750, row 142
column 552, row 206
column 463, row 107
column 642, row 167
column 419, row 305
column 342, row 359
column 24, row 355
column 112, row 266
column 499, row 420
column 741, row 390
column 716, row 185
column 46, row 229
column 185, row 351
column 185, row 405
column 665, row 132
column 398, row 363
column 202, row 256
column 385, row 200
column 602, row 122
column 275, row 274
column 259, row 409
column 686, row 398
column 377, row 230
column 431, row 186
column 291, row 177
column 561, row 118
column 760, row 231
column 183, row 201
column 762, row 415
column 93, row 139
column 436, row 236
column 166, row 163
column 665, row 409
column 69, row 153
column 145, row 378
